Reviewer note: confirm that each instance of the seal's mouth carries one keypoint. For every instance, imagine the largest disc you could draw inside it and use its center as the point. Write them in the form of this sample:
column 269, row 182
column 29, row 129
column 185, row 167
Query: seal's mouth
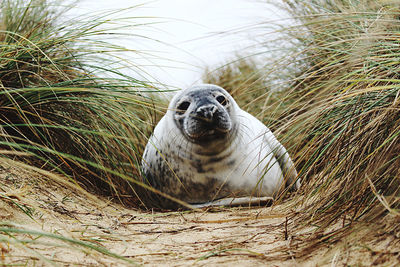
column 208, row 135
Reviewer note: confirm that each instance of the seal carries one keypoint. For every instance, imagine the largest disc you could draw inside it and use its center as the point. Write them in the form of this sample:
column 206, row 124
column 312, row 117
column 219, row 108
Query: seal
column 206, row 148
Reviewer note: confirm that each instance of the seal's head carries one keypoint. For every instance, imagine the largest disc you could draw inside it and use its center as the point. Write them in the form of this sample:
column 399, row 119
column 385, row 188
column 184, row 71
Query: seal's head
column 204, row 114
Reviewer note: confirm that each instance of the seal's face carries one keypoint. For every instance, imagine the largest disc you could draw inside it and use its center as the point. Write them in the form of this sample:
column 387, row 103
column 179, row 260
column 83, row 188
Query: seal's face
column 203, row 114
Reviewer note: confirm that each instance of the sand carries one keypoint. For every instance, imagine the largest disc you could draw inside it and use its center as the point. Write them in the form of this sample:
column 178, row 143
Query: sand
column 104, row 229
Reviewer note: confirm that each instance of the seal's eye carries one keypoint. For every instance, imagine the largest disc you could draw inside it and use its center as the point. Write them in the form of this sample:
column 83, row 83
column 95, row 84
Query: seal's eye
column 183, row 107
column 222, row 100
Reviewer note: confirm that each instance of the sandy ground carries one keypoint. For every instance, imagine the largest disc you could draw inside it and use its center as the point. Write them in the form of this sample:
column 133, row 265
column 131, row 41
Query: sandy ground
column 95, row 229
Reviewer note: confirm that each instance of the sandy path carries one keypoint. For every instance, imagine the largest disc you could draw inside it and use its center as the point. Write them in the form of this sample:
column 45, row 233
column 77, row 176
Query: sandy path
column 219, row 237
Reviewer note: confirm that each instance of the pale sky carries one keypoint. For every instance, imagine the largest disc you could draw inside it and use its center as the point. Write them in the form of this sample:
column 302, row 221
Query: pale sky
column 188, row 34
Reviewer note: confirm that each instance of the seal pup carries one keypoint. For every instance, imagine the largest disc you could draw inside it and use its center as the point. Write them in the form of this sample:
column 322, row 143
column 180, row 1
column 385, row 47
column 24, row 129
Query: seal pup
column 206, row 148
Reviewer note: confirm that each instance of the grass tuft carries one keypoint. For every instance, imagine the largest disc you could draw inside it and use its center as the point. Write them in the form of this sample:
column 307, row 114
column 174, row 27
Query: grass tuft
column 337, row 111
column 346, row 110
column 65, row 100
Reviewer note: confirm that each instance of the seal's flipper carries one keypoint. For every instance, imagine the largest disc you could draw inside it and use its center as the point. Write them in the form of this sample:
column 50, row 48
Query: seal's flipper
column 284, row 161
column 231, row 202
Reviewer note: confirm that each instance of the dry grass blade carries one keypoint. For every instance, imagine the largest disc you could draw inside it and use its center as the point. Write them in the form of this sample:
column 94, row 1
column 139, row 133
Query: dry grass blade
column 10, row 230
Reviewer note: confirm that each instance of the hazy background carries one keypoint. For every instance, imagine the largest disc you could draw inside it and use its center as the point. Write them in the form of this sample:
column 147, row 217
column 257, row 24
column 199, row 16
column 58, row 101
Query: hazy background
column 191, row 34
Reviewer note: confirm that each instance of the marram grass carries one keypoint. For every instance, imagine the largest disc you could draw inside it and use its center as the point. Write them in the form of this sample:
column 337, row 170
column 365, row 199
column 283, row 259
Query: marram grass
column 337, row 111
column 347, row 108
column 65, row 102
column 66, row 110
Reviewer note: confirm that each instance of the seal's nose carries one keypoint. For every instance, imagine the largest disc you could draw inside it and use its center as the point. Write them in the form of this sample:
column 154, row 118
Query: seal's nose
column 206, row 112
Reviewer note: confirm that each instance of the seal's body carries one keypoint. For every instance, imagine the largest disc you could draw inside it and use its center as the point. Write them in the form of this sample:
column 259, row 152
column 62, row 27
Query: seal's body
column 206, row 148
